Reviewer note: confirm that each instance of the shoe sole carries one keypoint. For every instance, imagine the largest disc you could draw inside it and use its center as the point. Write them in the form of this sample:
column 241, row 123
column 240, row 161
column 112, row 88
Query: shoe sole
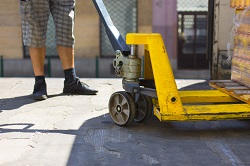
column 67, row 93
column 40, row 98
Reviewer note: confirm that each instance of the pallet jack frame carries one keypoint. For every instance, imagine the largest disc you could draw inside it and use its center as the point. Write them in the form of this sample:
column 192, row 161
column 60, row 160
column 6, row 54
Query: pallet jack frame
column 174, row 105
column 157, row 91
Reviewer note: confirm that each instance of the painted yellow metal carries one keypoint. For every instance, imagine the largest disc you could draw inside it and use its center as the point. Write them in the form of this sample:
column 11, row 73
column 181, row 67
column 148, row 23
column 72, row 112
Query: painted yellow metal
column 148, row 71
column 157, row 113
column 170, row 104
column 211, row 112
column 168, row 97
column 205, row 96
column 244, row 98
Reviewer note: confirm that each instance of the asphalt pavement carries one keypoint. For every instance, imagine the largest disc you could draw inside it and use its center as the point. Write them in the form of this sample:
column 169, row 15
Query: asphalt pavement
column 78, row 131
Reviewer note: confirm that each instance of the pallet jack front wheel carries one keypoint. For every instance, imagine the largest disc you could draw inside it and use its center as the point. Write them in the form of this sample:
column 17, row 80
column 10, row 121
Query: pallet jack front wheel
column 122, row 108
column 144, row 108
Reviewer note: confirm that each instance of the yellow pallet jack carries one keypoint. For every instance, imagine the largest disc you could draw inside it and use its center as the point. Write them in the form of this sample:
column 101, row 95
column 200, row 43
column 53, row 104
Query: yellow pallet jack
column 157, row 91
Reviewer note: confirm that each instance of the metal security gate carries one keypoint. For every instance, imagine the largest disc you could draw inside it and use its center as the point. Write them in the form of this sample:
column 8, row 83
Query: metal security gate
column 192, row 40
column 193, row 34
column 124, row 16
column 50, row 39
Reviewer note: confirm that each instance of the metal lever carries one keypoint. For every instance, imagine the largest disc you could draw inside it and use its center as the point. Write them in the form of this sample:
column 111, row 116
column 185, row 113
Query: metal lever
column 117, row 41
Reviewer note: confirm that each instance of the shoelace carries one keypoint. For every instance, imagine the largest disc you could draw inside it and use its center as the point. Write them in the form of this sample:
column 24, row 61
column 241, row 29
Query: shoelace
column 82, row 83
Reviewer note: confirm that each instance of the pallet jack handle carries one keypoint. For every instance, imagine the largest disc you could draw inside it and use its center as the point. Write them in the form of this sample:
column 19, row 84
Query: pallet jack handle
column 115, row 38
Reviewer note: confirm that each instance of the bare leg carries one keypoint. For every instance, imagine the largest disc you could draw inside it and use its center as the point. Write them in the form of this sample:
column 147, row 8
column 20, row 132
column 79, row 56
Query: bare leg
column 67, row 57
column 72, row 84
column 37, row 57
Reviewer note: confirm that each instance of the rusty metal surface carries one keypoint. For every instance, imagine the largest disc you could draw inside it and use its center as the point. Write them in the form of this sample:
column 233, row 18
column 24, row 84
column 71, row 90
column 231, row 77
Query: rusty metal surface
column 233, row 90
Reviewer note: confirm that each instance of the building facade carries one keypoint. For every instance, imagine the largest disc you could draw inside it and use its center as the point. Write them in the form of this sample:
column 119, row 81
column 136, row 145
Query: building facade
column 88, row 28
column 183, row 25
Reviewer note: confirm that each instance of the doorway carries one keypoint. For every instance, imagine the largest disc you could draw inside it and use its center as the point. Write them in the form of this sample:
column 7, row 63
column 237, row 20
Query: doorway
column 192, row 34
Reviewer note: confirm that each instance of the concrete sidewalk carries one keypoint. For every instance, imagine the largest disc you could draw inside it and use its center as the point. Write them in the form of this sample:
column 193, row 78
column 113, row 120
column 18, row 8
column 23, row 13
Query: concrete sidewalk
column 77, row 130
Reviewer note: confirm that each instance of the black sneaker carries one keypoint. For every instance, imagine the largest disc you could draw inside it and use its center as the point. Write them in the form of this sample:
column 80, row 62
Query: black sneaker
column 77, row 87
column 40, row 90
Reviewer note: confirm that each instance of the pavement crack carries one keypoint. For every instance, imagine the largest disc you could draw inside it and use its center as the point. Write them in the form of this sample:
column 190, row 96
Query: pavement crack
column 225, row 152
column 112, row 152
column 18, row 138
column 150, row 160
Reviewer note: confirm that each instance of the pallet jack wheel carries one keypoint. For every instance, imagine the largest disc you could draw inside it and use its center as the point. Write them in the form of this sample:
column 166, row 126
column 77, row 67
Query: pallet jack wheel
column 122, row 108
column 144, row 108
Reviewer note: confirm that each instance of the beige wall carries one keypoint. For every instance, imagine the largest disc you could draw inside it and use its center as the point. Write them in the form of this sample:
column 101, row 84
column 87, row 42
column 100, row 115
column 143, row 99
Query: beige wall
column 145, row 16
column 87, row 29
column 10, row 29
column 223, row 24
column 144, row 20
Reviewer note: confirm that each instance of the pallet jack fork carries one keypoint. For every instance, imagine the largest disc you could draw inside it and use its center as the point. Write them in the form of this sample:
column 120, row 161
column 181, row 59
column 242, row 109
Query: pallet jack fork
column 157, row 91
column 174, row 105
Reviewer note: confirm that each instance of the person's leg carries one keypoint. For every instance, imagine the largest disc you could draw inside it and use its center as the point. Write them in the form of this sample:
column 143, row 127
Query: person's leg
column 72, row 84
column 63, row 15
column 67, row 57
column 35, row 14
column 37, row 56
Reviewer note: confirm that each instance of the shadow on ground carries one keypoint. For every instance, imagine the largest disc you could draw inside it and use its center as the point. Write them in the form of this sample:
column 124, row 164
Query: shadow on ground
column 17, row 102
column 99, row 142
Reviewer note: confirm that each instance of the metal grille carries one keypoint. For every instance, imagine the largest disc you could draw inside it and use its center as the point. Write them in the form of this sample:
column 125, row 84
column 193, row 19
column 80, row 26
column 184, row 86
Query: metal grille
column 192, row 5
column 124, row 15
column 50, row 41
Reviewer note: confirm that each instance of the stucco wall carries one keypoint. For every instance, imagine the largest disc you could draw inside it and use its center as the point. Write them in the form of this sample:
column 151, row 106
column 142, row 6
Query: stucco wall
column 223, row 23
column 87, row 29
column 144, row 20
column 165, row 22
column 10, row 29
